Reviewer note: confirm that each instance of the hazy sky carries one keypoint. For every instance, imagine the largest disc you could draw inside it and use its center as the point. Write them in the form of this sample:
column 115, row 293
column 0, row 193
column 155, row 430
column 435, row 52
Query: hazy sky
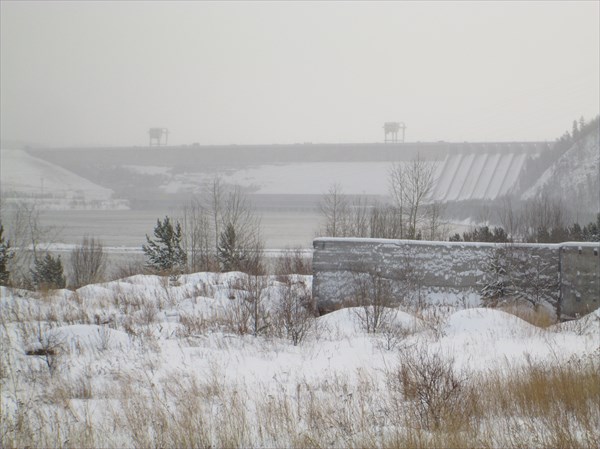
column 102, row 73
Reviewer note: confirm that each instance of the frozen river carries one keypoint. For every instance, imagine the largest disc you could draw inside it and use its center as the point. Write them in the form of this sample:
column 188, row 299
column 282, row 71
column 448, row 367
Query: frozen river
column 127, row 228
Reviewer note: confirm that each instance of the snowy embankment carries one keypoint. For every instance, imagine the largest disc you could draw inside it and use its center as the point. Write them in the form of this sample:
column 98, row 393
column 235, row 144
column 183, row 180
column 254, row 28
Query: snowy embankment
column 28, row 178
column 148, row 361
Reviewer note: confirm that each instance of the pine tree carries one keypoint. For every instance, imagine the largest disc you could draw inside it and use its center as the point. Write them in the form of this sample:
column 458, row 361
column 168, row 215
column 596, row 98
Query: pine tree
column 5, row 255
column 591, row 232
column 229, row 254
column 165, row 253
column 48, row 273
column 575, row 130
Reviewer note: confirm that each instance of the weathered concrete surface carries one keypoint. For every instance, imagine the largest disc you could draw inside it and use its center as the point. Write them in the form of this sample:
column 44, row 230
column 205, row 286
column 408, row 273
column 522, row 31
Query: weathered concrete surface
column 453, row 267
column 580, row 278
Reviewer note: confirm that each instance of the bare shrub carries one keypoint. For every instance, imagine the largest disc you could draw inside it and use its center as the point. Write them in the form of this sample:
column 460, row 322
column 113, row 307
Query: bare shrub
column 293, row 261
column 130, row 268
column 435, row 392
column 192, row 325
column 104, row 340
column 49, row 348
column 148, row 313
column 247, row 313
column 393, row 334
column 373, row 294
column 88, row 262
column 295, row 311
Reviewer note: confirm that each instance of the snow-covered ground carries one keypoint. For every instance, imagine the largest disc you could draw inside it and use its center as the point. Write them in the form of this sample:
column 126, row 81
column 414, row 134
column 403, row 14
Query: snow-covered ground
column 152, row 361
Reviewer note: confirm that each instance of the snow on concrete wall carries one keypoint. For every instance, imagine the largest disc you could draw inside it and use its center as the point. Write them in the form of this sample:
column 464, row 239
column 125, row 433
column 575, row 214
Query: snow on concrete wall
column 451, row 267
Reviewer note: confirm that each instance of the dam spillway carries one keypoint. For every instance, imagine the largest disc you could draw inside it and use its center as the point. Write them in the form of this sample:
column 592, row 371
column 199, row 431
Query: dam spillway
column 478, row 176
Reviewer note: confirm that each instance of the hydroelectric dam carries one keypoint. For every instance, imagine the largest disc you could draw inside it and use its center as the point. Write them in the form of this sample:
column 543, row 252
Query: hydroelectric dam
column 296, row 175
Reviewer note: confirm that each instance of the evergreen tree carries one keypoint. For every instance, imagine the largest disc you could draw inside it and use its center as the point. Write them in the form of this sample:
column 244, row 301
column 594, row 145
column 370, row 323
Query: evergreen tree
column 229, row 254
column 575, row 132
column 591, row 232
column 165, row 253
column 5, row 255
column 48, row 273
column 483, row 234
column 581, row 124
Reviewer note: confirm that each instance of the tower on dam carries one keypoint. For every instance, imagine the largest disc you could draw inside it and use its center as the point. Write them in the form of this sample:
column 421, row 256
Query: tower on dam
column 391, row 129
column 156, row 135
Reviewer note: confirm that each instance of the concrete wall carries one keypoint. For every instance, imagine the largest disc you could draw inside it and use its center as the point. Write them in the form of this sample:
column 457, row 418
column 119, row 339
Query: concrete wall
column 580, row 278
column 453, row 267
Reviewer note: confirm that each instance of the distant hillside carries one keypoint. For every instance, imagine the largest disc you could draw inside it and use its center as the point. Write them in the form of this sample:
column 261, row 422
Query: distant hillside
column 574, row 175
column 28, row 178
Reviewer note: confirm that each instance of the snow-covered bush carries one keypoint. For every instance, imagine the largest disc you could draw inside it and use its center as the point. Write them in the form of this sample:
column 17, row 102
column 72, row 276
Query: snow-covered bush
column 512, row 272
column 165, row 254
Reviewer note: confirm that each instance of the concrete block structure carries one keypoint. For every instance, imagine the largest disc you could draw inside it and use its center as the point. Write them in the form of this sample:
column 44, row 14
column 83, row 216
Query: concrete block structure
column 569, row 273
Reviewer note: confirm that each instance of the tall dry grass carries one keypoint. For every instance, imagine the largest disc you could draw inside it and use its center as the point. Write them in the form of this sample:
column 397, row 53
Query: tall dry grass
column 421, row 402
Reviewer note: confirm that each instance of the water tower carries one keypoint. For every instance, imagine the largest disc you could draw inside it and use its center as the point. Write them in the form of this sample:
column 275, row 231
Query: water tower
column 391, row 129
column 156, row 135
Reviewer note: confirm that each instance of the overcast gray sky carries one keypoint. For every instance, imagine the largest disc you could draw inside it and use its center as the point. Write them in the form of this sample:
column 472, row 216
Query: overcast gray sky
column 102, row 73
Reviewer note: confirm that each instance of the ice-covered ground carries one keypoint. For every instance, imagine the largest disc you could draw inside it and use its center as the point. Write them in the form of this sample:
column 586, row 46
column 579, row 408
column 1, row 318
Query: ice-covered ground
column 136, row 361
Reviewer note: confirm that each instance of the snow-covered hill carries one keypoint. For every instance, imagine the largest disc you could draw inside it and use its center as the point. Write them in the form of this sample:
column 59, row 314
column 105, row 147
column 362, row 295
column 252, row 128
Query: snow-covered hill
column 574, row 177
column 28, row 178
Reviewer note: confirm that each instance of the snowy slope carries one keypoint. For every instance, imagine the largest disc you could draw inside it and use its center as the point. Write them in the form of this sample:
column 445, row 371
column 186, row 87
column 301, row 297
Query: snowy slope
column 23, row 175
column 574, row 177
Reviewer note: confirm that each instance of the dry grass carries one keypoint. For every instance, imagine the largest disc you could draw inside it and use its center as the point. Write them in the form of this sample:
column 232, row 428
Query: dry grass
column 539, row 317
column 533, row 406
column 420, row 402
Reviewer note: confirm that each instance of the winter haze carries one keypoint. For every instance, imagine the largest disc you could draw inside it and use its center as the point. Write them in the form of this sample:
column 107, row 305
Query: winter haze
column 102, row 73
column 300, row 224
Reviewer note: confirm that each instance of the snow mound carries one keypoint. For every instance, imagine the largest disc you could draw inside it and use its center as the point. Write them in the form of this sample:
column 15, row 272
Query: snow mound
column 90, row 336
column 343, row 322
column 586, row 325
column 488, row 322
column 350, row 321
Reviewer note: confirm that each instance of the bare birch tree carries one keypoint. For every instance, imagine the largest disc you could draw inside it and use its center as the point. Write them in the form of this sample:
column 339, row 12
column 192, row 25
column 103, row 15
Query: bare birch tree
column 334, row 210
column 411, row 186
column 30, row 238
column 221, row 217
